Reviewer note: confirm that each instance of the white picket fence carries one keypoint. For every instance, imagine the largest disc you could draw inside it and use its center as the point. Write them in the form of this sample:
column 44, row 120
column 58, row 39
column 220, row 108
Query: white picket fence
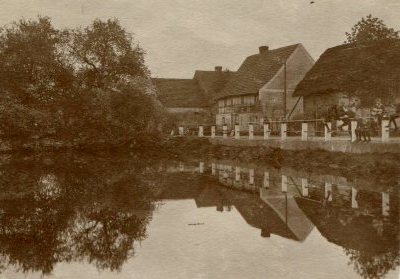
column 266, row 131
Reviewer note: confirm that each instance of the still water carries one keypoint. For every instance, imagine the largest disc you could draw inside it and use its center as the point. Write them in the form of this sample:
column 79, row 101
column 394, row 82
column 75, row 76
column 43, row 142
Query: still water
column 86, row 216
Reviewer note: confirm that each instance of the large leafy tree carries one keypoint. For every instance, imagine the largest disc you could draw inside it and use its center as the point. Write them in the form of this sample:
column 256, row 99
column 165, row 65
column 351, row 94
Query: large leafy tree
column 105, row 53
column 370, row 29
column 33, row 68
column 82, row 85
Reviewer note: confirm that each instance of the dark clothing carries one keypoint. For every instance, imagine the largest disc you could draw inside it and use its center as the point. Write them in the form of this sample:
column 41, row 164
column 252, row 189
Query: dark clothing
column 329, row 116
column 363, row 130
column 345, row 115
column 393, row 117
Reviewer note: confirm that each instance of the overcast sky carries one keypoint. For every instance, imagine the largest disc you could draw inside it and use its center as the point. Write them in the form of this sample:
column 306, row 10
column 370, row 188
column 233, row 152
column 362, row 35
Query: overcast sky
column 180, row 36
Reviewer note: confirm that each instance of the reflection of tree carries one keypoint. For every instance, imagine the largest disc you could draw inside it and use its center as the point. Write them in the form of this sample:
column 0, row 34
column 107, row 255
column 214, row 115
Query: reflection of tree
column 82, row 208
column 373, row 266
column 369, row 239
column 29, row 232
column 106, row 237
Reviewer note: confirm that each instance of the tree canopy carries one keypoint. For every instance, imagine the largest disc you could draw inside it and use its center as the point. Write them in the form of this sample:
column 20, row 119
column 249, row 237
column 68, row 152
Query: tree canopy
column 32, row 68
column 370, row 29
column 84, row 84
column 106, row 53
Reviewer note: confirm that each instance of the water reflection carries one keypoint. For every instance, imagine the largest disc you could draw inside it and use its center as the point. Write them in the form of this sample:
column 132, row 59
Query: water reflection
column 71, row 210
column 357, row 215
column 65, row 208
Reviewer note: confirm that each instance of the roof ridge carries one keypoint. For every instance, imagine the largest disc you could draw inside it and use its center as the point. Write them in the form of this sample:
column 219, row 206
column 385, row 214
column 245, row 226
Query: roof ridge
column 276, row 49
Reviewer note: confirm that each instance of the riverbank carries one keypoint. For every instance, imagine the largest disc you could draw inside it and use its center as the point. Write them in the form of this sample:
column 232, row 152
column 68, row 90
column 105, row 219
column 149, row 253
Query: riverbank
column 334, row 145
column 385, row 165
column 151, row 142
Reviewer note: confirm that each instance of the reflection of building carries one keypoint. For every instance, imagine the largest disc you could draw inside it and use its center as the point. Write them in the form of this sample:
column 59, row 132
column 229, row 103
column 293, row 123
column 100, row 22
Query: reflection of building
column 348, row 72
column 286, row 208
column 257, row 89
column 272, row 211
column 258, row 214
column 253, row 210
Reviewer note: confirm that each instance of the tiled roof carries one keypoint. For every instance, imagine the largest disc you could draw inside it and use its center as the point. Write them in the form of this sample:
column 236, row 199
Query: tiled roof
column 353, row 68
column 182, row 93
column 256, row 71
column 212, row 82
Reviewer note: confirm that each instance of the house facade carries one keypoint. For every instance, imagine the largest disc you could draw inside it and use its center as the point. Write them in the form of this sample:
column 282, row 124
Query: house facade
column 190, row 101
column 352, row 73
column 263, row 87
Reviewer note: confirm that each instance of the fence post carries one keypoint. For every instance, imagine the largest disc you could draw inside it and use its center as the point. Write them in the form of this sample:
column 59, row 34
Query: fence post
column 385, row 130
column 385, row 204
column 251, row 131
column 284, row 183
column 327, row 132
column 180, row 130
column 266, row 131
column 201, row 167
column 304, row 187
column 237, row 173
column 283, row 131
column 266, row 180
column 354, row 202
column 328, row 191
column 237, row 131
column 353, row 130
column 201, row 131
column 213, row 131
column 225, row 169
column 251, row 176
column 213, row 169
column 304, row 131
column 225, row 131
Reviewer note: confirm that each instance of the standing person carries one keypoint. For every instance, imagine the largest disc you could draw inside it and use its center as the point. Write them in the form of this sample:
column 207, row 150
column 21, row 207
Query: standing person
column 394, row 114
column 363, row 131
column 378, row 111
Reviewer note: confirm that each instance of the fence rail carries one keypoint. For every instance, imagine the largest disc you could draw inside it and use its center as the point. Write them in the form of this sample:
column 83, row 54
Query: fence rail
column 305, row 130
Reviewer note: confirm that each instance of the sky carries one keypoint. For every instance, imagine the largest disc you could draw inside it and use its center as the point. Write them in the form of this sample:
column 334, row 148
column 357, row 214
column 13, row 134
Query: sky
column 181, row 36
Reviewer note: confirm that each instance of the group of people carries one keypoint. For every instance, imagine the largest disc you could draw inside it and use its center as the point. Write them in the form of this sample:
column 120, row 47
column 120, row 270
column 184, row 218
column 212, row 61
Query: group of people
column 365, row 125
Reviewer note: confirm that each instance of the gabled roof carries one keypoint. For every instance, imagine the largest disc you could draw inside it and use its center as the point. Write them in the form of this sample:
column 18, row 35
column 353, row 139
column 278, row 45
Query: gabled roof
column 212, row 82
column 351, row 68
column 256, row 71
column 182, row 93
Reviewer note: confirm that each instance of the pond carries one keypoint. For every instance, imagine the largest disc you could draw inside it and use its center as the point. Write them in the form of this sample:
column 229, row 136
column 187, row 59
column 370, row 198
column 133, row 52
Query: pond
column 67, row 215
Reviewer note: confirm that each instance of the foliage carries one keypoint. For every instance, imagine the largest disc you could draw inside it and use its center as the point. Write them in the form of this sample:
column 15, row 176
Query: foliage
column 105, row 53
column 70, row 207
column 370, row 29
column 32, row 69
column 84, row 85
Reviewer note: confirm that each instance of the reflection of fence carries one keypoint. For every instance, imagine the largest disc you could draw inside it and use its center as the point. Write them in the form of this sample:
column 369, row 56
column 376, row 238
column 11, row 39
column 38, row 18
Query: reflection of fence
column 327, row 189
column 283, row 130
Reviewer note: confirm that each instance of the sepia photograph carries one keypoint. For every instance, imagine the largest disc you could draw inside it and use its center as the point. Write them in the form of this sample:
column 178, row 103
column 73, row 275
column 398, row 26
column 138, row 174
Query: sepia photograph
column 199, row 139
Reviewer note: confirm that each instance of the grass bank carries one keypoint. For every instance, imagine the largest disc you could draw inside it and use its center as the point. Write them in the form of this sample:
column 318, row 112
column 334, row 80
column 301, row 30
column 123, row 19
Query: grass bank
column 386, row 165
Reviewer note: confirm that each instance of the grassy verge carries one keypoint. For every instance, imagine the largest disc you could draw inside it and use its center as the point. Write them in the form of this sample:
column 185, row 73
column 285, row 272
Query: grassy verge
column 385, row 165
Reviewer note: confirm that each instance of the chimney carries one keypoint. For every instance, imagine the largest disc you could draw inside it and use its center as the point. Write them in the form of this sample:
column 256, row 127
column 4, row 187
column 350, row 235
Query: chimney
column 218, row 69
column 263, row 49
